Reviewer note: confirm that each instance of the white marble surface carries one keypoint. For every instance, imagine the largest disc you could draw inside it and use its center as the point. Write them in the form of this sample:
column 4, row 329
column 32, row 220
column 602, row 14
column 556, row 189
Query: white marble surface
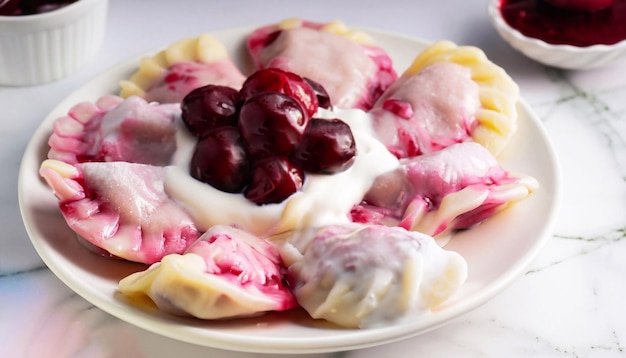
column 570, row 303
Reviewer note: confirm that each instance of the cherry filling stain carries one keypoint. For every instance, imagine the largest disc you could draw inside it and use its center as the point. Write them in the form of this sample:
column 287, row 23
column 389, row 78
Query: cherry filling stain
column 555, row 25
column 31, row 7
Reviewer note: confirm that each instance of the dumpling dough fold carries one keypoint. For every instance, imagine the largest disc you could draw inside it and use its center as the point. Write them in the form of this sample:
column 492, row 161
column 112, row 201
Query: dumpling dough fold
column 368, row 275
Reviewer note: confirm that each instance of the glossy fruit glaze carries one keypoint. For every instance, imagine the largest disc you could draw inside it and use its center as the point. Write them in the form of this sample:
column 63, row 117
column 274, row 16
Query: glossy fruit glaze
column 30, row 7
column 557, row 25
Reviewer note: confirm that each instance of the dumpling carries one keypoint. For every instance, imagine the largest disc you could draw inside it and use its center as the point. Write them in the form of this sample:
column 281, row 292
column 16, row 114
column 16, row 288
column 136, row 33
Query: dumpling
column 183, row 66
column 352, row 69
column 121, row 208
column 454, row 188
column 449, row 94
column 370, row 275
column 226, row 273
column 114, row 129
column 428, row 111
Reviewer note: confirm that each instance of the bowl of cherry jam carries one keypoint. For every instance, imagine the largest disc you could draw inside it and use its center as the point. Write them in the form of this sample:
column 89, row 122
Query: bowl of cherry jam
column 568, row 34
column 45, row 40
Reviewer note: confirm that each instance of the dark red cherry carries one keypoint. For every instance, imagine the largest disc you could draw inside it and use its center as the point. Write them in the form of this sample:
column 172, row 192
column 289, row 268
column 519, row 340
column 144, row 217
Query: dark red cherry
column 327, row 147
column 274, row 179
column 209, row 107
column 221, row 160
column 277, row 80
column 323, row 99
column 271, row 123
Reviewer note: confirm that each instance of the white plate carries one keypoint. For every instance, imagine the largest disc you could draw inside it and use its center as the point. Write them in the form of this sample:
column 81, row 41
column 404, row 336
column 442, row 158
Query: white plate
column 497, row 251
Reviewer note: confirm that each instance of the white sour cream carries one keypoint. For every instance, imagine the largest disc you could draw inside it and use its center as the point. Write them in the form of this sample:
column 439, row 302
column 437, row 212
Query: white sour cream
column 323, row 200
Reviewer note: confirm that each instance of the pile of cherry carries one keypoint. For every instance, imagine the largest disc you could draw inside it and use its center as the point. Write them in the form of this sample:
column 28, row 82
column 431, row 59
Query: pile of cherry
column 261, row 140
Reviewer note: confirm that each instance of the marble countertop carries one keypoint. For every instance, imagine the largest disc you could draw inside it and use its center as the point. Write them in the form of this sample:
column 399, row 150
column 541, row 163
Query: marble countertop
column 569, row 303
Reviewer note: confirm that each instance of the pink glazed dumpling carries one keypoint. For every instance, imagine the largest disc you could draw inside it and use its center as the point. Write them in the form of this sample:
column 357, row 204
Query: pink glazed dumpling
column 353, row 70
column 455, row 188
column 183, row 66
column 359, row 275
column 226, row 273
column 449, row 94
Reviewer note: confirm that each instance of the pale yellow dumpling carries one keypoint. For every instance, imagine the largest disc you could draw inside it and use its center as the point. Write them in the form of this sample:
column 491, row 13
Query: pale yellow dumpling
column 498, row 93
column 183, row 66
column 336, row 27
column 346, row 62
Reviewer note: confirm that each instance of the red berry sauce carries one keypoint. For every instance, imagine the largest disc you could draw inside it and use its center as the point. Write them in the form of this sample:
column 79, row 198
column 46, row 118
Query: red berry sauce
column 538, row 19
column 31, row 7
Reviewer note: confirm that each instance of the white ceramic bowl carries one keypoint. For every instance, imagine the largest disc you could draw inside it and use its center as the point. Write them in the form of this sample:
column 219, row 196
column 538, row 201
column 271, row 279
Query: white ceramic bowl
column 561, row 56
column 41, row 48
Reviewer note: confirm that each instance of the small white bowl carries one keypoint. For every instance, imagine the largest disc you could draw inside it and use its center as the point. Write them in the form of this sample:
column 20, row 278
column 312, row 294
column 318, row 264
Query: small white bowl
column 560, row 56
column 41, row 48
